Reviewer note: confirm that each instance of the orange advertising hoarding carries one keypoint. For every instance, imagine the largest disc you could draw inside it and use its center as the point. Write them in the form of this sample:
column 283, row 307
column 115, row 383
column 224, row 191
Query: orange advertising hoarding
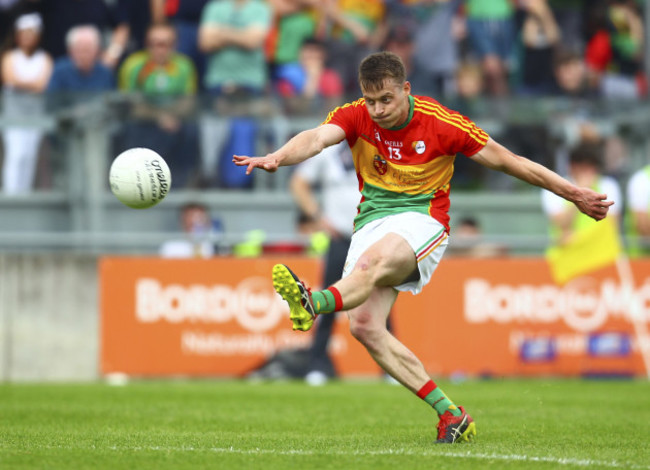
column 507, row 317
column 221, row 317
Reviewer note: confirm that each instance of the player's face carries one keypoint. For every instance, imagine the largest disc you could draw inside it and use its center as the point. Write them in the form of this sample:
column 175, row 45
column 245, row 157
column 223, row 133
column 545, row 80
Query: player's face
column 388, row 106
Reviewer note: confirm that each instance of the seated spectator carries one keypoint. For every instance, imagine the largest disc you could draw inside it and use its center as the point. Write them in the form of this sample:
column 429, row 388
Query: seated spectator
column 200, row 234
column 570, row 74
column 164, row 83
column 59, row 16
column 26, row 69
column 185, row 15
column 81, row 72
column 399, row 40
column 467, row 240
column 309, row 86
column 469, row 89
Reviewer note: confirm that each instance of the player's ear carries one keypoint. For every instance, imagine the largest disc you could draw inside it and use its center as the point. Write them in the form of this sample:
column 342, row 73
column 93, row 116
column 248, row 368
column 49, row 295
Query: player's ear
column 407, row 87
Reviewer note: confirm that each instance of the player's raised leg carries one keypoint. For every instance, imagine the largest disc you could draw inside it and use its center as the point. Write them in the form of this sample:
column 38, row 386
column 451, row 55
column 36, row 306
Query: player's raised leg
column 386, row 263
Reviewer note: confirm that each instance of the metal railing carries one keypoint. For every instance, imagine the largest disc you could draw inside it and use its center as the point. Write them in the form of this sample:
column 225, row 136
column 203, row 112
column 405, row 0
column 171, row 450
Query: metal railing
column 77, row 212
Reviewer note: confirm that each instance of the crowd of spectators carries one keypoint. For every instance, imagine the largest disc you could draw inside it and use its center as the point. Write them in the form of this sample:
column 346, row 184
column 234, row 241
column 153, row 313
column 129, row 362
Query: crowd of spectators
column 301, row 55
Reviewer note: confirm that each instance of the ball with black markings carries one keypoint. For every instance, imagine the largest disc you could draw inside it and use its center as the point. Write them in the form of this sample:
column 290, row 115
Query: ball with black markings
column 140, row 178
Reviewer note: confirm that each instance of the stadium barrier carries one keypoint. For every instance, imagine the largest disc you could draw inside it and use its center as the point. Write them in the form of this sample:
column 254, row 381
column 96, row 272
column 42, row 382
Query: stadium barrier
column 479, row 317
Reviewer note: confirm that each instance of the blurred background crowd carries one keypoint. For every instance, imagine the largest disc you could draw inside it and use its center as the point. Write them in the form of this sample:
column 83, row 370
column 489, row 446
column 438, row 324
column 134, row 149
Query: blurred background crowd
column 201, row 80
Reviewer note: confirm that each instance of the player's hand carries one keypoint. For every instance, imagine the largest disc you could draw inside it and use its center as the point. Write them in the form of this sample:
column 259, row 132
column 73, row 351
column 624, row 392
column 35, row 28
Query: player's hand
column 267, row 163
column 594, row 204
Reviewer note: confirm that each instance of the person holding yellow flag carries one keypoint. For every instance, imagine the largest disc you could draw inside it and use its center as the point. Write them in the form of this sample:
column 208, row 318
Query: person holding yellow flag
column 579, row 243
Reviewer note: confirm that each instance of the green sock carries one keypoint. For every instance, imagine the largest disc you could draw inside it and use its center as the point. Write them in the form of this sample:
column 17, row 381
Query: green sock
column 441, row 402
column 324, row 301
column 327, row 301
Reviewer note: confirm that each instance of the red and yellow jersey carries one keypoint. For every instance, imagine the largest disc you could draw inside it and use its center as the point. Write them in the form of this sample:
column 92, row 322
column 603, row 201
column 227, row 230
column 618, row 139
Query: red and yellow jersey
column 409, row 168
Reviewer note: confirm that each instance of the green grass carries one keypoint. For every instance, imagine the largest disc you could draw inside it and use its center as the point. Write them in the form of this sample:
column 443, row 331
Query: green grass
column 231, row 425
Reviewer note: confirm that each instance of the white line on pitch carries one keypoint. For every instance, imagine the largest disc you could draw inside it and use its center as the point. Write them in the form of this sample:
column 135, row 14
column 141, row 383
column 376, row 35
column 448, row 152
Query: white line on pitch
column 432, row 453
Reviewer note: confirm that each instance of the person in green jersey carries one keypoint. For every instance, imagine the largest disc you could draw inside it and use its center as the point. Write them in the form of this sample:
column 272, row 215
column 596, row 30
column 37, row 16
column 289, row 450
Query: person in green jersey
column 162, row 84
column 403, row 148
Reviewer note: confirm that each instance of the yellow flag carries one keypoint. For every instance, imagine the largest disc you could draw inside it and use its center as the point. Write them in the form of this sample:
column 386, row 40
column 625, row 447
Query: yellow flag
column 589, row 249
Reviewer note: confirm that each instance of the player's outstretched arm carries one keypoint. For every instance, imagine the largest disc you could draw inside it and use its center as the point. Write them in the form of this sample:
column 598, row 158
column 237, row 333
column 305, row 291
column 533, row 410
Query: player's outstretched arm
column 302, row 146
column 497, row 157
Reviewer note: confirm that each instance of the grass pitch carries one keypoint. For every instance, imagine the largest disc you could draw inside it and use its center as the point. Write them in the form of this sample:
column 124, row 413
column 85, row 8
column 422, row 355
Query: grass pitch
column 236, row 425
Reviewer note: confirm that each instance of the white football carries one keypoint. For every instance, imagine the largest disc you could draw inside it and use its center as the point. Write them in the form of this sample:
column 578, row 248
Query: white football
column 140, row 178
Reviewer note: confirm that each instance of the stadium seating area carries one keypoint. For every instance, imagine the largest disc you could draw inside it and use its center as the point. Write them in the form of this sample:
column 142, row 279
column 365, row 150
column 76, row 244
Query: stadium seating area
column 573, row 72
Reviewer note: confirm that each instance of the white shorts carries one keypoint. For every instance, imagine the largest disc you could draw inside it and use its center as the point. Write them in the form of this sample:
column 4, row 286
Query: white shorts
column 427, row 237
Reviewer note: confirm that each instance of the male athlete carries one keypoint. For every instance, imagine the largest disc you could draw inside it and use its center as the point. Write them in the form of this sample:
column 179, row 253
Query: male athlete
column 404, row 148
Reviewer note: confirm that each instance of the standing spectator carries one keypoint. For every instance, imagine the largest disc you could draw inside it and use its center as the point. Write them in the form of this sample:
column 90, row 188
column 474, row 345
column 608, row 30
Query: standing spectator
column 585, row 163
column 26, row 69
column 491, row 29
column 164, row 82
column 132, row 19
column 185, row 15
column 232, row 33
column 440, row 28
column 9, row 11
column 81, row 72
column 569, row 15
column 638, row 218
column 540, row 36
column 333, row 171
column 354, row 31
column 294, row 22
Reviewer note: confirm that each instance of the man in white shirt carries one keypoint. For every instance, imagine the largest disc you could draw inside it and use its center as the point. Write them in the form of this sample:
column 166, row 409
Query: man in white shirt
column 333, row 212
column 638, row 223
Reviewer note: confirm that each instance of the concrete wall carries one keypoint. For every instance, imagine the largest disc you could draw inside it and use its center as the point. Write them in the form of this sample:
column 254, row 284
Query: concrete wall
column 49, row 317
